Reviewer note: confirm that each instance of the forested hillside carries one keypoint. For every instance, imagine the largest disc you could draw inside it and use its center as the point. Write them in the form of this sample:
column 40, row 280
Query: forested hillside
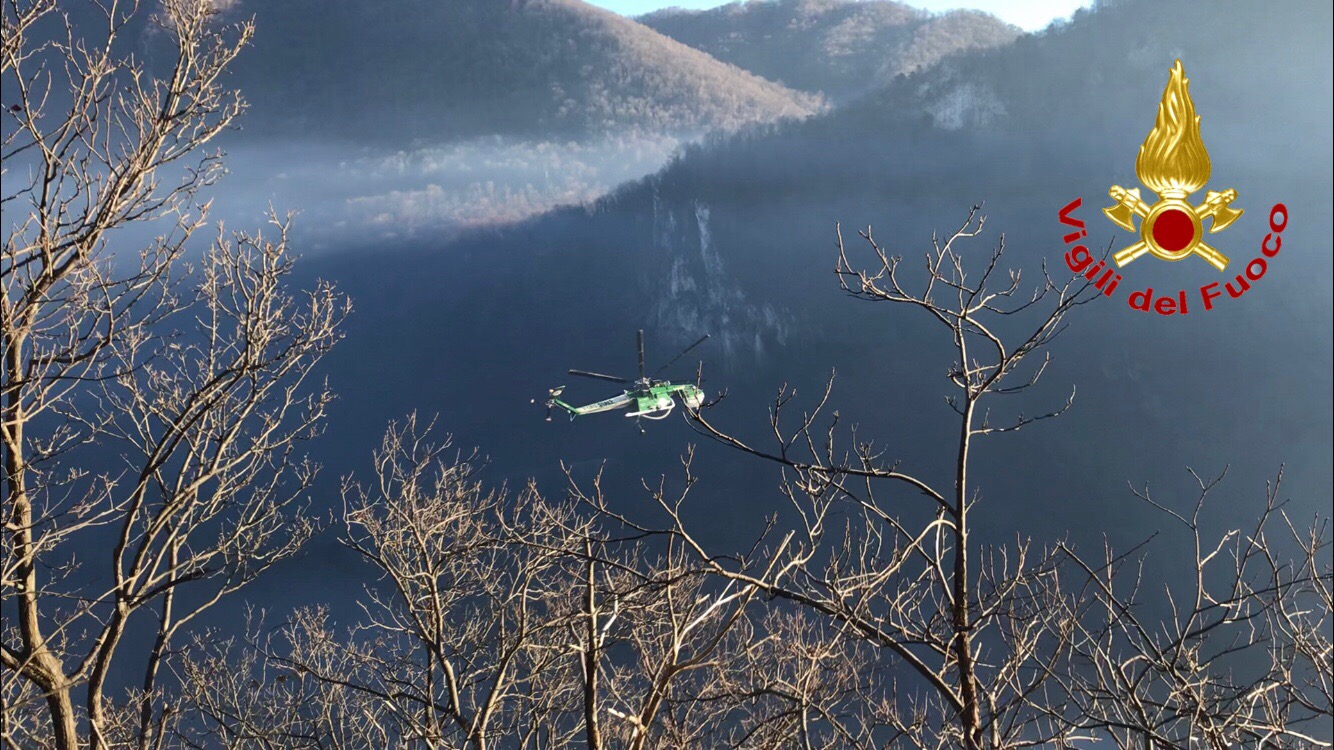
column 549, row 67
column 837, row 47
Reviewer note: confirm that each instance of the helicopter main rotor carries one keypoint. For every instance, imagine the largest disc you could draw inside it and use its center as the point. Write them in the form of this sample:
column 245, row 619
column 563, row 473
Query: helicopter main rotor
column 644, row 378
column 672, row 361
column 640, row 339
column 598, row 376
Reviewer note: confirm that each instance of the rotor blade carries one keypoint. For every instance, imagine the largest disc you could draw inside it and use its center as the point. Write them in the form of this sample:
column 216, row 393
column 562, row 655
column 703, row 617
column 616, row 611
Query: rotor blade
column 598, row 375
column 641, row 353
column 702, row 339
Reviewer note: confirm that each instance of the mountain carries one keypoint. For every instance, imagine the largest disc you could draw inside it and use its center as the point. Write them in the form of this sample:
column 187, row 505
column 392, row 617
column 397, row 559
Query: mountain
column 840, row 48
column 440, row 70
column 736, row 238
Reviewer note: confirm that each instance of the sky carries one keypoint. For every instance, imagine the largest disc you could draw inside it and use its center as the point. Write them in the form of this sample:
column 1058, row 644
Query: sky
column 1029, row 15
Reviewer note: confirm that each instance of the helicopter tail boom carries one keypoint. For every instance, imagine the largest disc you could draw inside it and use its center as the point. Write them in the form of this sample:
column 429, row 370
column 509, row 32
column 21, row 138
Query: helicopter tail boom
column 608, row 404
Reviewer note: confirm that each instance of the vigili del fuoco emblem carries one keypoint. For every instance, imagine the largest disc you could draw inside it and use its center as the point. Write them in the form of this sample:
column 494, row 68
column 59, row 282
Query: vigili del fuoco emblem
column 1173, row 163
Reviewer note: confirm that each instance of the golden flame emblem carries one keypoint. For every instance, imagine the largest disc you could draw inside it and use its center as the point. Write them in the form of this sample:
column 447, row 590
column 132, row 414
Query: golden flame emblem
column 1173, row 163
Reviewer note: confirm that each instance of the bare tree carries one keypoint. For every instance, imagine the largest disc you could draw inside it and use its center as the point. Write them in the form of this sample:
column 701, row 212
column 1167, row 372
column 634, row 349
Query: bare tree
column 1242, row 657
column 675, row 639
column 152, row 408
column 235, row 695
column 901, row 629
column 458, row 637
column 498, row 619
column 915, row 588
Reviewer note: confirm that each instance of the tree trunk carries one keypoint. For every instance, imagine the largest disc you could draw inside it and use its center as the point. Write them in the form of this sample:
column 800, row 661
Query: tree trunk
column 591, row 728
column 39, row 664
column 971, row 715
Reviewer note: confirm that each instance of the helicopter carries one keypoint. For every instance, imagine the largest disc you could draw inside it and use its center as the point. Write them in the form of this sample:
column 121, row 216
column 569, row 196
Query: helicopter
column 647, row 397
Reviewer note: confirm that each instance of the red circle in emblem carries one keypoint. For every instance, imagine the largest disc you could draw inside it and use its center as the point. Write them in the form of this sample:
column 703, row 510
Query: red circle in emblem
column 1173, row 230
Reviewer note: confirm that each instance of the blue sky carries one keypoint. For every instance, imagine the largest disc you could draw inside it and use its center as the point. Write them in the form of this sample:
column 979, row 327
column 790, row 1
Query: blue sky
column 1029, row 15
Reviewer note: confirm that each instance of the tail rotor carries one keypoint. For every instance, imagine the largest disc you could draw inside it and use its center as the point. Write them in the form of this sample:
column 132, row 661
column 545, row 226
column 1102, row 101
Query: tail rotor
column 552, row 395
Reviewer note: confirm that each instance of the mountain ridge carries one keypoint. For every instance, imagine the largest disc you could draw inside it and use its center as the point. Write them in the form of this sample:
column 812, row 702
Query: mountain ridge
column 558, row 68
column 840, row 48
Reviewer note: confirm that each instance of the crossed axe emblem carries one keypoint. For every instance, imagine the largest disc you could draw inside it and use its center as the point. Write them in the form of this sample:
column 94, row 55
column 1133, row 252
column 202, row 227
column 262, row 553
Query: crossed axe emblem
column 1171, row 229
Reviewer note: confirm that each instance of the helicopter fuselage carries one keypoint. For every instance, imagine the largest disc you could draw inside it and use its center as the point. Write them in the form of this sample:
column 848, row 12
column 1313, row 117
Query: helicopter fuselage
column 646, row 398
column 651, row 400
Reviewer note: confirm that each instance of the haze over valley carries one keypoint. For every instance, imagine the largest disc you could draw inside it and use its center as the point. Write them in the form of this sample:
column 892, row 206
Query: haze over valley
column 564, row 102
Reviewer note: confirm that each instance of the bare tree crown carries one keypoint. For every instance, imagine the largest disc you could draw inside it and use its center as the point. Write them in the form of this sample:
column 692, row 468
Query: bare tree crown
column 153, row 407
